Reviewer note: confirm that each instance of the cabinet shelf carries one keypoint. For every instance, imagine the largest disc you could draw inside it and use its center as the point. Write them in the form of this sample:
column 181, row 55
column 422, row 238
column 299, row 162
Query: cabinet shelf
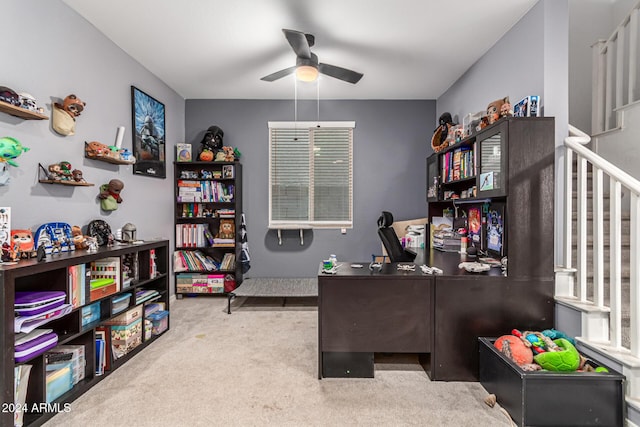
column 53, row 273
column 207, row 180
column 23, row 113
column 458, row 181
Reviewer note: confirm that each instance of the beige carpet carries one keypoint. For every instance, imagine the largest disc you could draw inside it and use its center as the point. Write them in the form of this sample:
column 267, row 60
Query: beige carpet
column 259, row 366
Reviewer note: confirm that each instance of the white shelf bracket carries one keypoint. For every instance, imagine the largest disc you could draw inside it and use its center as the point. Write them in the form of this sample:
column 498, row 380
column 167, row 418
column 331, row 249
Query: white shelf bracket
column 301, row 230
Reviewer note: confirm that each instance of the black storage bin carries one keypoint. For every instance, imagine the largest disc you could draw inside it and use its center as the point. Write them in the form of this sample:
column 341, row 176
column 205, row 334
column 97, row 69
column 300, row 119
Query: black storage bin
column 545, row 398
column 337, row 364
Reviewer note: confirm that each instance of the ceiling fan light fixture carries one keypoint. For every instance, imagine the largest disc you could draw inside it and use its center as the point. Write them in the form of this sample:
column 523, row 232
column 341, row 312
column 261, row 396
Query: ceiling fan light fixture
column 306, row 73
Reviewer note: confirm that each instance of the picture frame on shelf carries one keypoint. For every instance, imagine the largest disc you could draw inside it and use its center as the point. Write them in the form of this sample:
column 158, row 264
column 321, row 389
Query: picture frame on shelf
column 183, row 152
column 228, row 172
column 148, row 119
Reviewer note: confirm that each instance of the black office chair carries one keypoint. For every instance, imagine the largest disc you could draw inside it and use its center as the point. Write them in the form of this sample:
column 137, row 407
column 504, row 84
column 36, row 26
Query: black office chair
column 390, row 240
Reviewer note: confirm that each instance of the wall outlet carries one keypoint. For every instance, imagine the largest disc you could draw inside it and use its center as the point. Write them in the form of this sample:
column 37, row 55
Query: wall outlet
column 343, row 230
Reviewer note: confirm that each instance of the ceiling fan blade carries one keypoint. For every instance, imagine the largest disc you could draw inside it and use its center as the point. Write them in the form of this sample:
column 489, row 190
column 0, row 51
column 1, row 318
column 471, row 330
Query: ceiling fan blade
column 340, row 73
column 279, row 74
column 299, row 42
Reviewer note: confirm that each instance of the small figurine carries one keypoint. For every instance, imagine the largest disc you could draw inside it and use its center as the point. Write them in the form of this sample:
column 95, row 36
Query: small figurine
column 92, row 244
column 229, row 155
column 22, row 243
column 110, row 195
column 205, row 174
column 77, row 175
column 64, row 115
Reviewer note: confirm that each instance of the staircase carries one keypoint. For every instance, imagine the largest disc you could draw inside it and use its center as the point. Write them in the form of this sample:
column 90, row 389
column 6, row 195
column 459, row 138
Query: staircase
column 598, row 287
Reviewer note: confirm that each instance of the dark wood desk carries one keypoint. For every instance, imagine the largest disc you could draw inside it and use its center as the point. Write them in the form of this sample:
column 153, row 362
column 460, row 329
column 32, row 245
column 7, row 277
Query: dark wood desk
column 361, row 312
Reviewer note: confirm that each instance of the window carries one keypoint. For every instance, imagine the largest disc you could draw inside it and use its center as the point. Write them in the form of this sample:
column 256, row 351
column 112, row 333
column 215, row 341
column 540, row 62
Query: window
column 310, row 174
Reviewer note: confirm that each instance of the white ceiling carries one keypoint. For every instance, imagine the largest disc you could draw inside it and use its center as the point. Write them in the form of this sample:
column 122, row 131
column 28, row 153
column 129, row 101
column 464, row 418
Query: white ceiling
column 219, row 49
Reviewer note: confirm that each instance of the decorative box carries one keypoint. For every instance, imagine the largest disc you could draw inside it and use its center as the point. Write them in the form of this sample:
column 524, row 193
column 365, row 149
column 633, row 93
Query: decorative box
column 160, row 321
column 546, row 398
column 125, row 338
column 126, row 317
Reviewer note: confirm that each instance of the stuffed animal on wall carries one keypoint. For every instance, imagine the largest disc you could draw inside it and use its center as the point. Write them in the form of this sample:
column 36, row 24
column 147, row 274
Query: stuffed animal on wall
column 65, row 113
column 110, row 195
column 494, row 109
column 11, row 148
column 227, row 229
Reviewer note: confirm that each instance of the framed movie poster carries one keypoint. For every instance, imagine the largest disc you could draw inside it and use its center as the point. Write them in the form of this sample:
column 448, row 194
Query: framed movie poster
column 148, row 134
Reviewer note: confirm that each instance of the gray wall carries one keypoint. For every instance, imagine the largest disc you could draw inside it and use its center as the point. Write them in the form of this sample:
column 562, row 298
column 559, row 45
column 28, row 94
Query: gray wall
column 391, row 143
column 531, row 58
column 60, row 54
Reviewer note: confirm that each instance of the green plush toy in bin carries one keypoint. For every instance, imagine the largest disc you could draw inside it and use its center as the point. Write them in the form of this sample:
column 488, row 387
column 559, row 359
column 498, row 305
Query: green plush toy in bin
column 565, row 360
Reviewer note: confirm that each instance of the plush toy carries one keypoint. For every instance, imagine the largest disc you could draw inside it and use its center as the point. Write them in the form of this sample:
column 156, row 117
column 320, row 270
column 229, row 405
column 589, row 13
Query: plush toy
column 110, row 195
column 494, row 109
column 96, row 149
column 79, row 240
column 227, row 229
column 443, row 136
column 11, row 148
column 64, row 115
column 513, row 347
column 229, row 155
column 22, row 243
column 206, row 155
column 220, row 156
column 565, row 359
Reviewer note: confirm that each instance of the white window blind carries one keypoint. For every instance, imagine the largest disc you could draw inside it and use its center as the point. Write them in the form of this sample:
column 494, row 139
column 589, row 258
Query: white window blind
column 310, row 174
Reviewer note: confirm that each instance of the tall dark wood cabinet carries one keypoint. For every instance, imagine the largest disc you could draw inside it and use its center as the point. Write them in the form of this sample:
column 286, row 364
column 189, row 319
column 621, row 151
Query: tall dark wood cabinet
column 124, row 313
column 508, row 172
column 208, row 222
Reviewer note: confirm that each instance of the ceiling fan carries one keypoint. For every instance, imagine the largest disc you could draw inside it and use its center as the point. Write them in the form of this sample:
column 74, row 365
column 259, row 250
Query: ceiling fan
column 307, row 66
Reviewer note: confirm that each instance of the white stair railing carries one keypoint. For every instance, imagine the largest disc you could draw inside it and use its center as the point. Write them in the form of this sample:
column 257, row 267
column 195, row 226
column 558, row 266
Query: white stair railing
column 618, row 181
column 615, row 73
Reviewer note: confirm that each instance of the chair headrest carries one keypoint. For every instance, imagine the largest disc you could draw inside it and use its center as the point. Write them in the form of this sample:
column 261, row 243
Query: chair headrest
column 385, row 220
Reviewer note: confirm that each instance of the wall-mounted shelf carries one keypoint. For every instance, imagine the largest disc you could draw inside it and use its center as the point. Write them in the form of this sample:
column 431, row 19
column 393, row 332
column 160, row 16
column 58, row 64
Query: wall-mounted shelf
column 108, row 159
column 46, row 179
column 111, row 160
column 71, row 183
column 23, row 113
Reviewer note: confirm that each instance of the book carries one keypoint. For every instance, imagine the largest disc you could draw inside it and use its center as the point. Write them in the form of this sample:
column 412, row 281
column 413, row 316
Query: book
column 183, row 152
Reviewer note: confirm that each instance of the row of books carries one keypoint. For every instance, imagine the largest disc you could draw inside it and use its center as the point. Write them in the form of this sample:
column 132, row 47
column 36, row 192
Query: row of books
column 228, row 262
column 193, row 236
column 458, row 164
column 194, row 261
column 204, row 191
column 200, row 210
